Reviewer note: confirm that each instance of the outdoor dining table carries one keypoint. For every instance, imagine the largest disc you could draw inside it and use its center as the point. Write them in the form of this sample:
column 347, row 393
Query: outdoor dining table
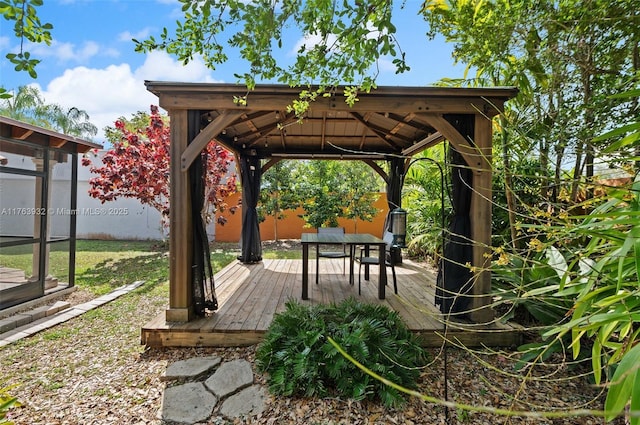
column 353, row 240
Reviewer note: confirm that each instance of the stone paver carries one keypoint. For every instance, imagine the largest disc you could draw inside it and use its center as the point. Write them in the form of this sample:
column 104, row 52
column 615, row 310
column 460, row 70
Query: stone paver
column 230, row 386
column 230, row 377
column 187, row 403
column 248, row 402
column 191, row 368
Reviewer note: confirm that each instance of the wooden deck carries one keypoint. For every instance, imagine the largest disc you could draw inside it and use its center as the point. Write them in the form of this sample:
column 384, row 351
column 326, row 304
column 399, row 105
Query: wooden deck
column 250, row 294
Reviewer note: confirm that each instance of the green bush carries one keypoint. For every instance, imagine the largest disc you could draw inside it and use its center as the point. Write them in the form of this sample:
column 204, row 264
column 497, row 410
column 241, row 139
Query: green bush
column 7, row 402
column 299, row 359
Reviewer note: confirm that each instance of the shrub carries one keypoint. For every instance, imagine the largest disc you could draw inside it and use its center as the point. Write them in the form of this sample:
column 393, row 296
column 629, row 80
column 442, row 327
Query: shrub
column 6, row 403
column 299, row 360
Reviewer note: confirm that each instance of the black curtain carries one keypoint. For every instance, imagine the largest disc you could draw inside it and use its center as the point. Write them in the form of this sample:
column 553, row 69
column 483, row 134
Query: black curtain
column 250, row 244
column 394, row 199
column 455, row 279
column 202, row 284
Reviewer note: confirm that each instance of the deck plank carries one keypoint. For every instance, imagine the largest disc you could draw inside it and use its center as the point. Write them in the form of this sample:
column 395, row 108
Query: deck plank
column 249, row 295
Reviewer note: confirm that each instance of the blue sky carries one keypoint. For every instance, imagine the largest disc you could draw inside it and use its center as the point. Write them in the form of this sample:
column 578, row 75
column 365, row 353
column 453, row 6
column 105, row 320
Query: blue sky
column 91, row 63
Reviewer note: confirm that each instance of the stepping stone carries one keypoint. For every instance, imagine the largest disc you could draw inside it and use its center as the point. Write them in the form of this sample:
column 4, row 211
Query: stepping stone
column 191, row 368
column 249, row 402
column 230, row 377
column 188, row 403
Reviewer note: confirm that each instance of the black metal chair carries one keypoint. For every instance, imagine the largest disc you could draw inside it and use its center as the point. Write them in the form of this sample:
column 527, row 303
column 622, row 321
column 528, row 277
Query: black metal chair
column 369, row 260
column 334, row 251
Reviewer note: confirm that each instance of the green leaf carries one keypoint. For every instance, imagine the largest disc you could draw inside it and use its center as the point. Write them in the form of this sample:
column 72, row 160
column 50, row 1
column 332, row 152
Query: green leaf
column 636, row 250
column 596, row 360
column 622, row 384
column 626, row 95
column 634, row 411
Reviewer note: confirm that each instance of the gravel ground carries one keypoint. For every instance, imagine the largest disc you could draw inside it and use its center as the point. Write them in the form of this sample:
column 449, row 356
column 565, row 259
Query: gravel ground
column 93, row 370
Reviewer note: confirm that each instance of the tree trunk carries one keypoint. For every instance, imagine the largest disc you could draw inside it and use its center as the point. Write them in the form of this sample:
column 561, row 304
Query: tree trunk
column 511, row 205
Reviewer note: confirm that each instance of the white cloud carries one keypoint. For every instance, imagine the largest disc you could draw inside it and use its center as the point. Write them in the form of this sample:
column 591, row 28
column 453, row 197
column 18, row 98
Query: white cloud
column 117, row 90
column 4, row 42
column 139, row 35
column 70, row 52
column 385, row 64
column 309, row 41
column 161, row 66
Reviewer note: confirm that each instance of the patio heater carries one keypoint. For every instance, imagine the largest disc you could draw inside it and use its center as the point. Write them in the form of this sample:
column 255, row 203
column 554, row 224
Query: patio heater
column 399, row 228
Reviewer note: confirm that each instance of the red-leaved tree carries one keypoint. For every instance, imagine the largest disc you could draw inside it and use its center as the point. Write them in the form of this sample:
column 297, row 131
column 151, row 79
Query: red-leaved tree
column 138, row 167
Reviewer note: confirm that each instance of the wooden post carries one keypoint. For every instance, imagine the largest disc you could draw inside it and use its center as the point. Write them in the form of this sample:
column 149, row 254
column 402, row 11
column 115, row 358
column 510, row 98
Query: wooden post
column 481, row 223
column 181, row 225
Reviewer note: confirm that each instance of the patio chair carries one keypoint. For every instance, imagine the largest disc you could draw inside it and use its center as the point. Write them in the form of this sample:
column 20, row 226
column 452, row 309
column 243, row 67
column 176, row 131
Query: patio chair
column 374, row 261
column 334, row 251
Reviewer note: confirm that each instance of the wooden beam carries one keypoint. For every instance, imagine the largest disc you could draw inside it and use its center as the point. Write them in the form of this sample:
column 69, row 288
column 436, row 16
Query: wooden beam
column 56, row 142
column 475, row 158
column 324, row 130
column 283, row 122
column 371, row 163
column 269, row 164
column 257, row 102
column 481, row 224
column 402, row 121
column 380, row 132
column 20, row 133
column 423, row 144
column 400, row 100
column 181, row 226
column 203, row 138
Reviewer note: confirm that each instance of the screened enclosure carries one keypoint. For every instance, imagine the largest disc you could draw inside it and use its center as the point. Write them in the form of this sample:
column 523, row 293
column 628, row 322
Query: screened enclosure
column 38, row 210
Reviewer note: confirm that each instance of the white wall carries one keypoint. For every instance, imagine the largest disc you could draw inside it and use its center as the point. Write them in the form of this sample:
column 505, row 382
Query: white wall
column 121, row 219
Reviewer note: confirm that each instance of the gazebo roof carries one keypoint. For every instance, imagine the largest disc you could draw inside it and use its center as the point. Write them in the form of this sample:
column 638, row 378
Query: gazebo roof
column 388, row 120
column 12, row 130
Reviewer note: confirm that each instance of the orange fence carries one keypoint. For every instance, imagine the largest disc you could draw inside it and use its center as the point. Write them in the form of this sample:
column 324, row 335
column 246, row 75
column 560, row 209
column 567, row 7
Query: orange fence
column 292, row 226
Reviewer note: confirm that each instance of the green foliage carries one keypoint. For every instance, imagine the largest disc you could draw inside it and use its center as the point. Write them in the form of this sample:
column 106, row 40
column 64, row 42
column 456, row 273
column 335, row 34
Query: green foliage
column 318, row 185
column 27, row 104
column 582, row 282
column 529, row 282
column 625, row 385
column 276, row 193
column 343, row 44
column 607, row 298
column 7, row 402
column 421, row 198
column 329, row 190
column 27, row 27
column 136, row 124
column 299, row 359
column 528, row 177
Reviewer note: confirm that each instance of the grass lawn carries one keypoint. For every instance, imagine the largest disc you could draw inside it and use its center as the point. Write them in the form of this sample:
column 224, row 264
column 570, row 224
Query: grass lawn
column 102, row 266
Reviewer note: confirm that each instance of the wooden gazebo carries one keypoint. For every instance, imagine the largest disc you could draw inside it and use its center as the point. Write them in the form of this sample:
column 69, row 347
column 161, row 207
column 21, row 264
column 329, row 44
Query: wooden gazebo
column 390, row 123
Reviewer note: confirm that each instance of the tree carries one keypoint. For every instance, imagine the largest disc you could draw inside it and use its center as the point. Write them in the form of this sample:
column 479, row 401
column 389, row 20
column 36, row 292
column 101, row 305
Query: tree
column 329, row 190
column 566, row 58
column 71, row 121
column 28, row 105
column 344, row 41
column 27, row 27
column 362, row 189
column 276, row 193
column 138, row 167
